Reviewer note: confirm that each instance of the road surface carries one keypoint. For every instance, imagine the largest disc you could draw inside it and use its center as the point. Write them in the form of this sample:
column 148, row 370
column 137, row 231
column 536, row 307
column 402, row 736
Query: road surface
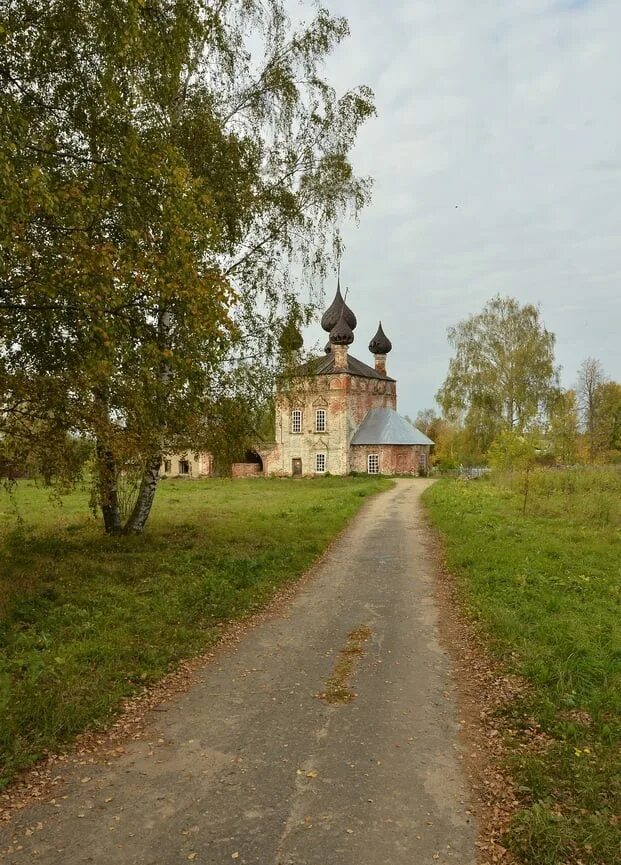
column 252, row 765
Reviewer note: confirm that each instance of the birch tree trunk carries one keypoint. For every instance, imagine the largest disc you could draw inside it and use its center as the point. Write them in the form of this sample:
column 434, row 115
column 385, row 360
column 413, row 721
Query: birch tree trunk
column 142, row 507
column 108, row 493
column 148, row 485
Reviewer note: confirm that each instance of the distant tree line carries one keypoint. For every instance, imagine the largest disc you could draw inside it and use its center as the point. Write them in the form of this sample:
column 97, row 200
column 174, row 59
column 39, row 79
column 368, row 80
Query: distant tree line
column 502, row 401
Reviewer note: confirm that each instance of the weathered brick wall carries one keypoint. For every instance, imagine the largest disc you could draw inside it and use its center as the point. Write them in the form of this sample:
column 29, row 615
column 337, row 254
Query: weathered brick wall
column 393, row 459
column 346, row 400
column 245, row 470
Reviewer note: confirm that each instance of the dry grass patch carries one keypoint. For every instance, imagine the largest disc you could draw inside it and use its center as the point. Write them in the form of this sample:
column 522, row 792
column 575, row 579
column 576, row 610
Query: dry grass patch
column 338, row 686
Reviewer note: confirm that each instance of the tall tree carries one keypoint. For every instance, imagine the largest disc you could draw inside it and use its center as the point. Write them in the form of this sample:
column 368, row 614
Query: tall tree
column 503, row 373
column 564, row 425
column 162, row 164
column 608, row 418
column 590, row 380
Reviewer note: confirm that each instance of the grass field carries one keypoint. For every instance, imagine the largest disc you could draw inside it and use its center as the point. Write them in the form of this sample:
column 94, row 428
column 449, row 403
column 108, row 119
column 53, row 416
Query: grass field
column 545, row 590
column 86, row 620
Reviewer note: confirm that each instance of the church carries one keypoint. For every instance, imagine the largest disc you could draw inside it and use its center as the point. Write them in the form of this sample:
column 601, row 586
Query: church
column 338, row 416
column 341, row 417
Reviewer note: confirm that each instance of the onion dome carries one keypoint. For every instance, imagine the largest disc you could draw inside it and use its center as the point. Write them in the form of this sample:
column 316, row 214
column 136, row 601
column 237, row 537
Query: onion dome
column 380, row 344
column 333, row 312
column 341, row 333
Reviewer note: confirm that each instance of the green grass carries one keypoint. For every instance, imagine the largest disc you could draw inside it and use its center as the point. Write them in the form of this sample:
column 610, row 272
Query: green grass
column 545, row 591
column 86, row 620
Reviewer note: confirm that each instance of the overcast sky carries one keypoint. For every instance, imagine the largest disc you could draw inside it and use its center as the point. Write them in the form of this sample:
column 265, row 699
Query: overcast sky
column 496, row 155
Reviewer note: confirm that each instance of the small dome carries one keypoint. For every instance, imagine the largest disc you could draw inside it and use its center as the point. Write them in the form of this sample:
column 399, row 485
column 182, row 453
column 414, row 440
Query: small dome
column 341, row 333
column 333, row 313
column 380, row 344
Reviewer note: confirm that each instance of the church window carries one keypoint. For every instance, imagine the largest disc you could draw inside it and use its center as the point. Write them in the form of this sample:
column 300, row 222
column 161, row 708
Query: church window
column 320, row 463
column 167, row 467
column 184, row 467
column 296, row 421
column 320, row 420
column 373, row 464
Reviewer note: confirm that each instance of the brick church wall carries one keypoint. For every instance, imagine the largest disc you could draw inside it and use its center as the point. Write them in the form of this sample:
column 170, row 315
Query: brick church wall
column 393, row 459
column 346, row 400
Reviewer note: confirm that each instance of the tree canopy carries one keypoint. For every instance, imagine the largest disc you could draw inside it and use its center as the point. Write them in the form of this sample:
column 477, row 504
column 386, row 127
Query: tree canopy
column 503, row 372
column 163, row 163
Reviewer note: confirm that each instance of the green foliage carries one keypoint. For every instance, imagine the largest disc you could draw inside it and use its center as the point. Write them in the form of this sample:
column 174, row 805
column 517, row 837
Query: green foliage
column 503, row 372
column 515, row 454
column 86, row 621
column 563, row 434
column 513, row 451
column 608, row 420
column 161, row 166
column 545, row 590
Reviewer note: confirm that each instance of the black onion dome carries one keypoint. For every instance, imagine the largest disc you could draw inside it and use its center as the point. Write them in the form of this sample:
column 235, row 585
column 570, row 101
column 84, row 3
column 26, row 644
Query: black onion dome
column 341, row 333
column 332, row 314
column 380, row 344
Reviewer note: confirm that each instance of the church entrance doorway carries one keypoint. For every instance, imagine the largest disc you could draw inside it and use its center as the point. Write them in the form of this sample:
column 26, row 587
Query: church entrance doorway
column 296, row 467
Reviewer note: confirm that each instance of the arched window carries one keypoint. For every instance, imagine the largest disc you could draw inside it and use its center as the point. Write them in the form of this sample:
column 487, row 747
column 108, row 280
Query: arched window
column 296, row 421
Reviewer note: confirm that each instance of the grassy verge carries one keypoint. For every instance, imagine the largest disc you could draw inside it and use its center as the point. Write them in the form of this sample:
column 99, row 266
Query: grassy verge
column 85, row 620
column 545, row 591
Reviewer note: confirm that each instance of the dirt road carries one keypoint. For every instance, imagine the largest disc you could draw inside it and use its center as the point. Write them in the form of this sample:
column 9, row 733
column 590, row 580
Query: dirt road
column 252, row 765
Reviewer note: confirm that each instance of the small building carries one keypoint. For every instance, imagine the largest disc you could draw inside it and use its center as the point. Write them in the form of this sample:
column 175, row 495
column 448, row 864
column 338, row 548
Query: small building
column 341, row 415
column 187, row 465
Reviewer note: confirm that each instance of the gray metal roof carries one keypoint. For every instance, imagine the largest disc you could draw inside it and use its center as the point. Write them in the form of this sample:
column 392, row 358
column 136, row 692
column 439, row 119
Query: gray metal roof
column 383, row 426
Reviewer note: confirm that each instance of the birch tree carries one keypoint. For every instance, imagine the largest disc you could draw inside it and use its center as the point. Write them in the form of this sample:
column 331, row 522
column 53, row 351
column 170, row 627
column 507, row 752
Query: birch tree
column 163, row 163
column 591, row 379
column 502, row 374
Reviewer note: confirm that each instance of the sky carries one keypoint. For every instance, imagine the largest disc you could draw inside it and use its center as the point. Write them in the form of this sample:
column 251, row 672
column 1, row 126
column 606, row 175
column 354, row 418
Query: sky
column 496, row 158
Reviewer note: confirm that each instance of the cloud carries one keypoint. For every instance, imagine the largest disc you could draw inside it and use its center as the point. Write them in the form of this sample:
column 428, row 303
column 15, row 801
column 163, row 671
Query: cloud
column 497, row 162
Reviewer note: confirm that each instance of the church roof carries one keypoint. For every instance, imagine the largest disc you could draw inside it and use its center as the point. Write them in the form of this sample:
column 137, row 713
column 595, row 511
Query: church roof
column 383, row 426
column 326, row 366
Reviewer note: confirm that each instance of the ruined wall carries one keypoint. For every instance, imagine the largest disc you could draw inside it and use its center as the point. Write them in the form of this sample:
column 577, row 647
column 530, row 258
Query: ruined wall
column 199, row 465
column 246, row 470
